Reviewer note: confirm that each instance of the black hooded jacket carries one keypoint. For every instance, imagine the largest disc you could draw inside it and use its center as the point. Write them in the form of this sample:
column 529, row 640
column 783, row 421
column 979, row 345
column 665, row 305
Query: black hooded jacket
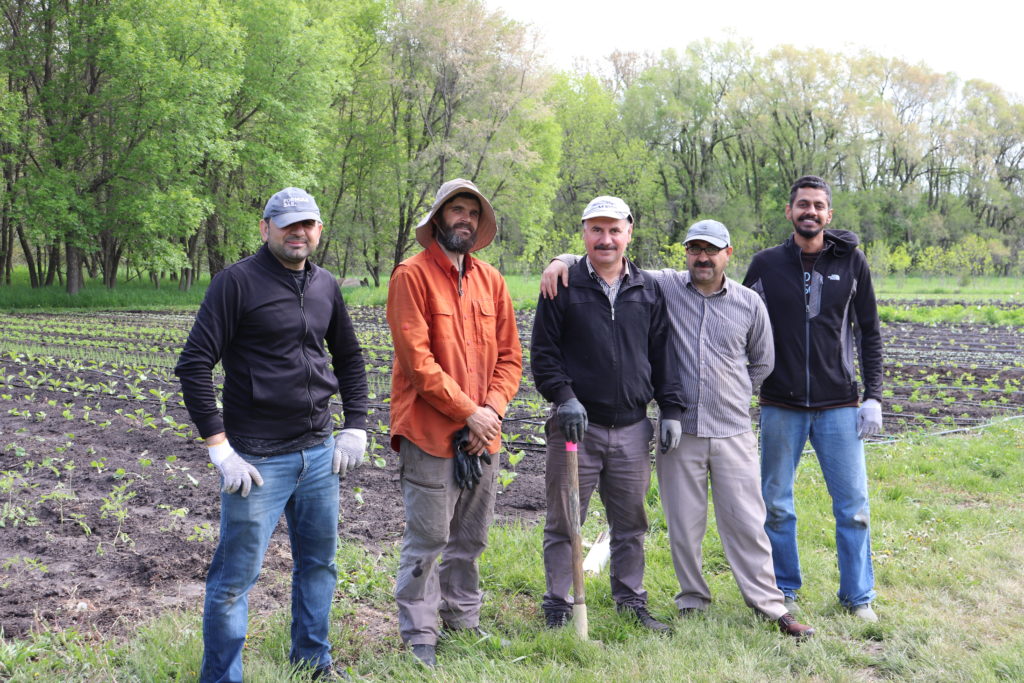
column 817, row 327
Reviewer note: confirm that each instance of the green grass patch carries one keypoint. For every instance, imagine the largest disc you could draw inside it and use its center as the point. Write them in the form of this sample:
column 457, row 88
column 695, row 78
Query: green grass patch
column 949, row 287
column 947, row 517
column 133, row 295
column 953, row 313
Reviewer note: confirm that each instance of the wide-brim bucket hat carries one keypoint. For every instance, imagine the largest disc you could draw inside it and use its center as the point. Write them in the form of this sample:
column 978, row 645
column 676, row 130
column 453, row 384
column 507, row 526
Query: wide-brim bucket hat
column 487, row 226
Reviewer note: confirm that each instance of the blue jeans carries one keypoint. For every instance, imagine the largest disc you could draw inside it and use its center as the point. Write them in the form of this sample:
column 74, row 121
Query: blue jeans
column 303, row 487
column 833, row 434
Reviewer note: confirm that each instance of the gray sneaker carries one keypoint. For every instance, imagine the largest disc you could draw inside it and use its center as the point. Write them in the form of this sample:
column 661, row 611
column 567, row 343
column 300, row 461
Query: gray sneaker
column 791, row 605
column 864, row 612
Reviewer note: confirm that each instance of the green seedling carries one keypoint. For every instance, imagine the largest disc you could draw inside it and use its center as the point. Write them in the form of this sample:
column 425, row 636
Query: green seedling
column 202, row 533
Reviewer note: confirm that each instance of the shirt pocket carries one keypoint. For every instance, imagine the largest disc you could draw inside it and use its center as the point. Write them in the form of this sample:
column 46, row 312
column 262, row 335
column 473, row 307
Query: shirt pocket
column 485, row 319
column 442, row 319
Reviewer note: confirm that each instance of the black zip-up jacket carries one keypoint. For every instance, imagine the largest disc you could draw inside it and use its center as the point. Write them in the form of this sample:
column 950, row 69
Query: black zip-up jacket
column 817, row 329
column 269, row 338
column 613, row 361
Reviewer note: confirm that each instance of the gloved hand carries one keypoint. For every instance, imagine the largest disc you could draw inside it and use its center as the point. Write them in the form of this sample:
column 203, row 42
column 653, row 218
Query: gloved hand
column 572, row 420
column 671, row 433
column 468, row 470
column 869, row 418
column 349, row 447
column 235, row 472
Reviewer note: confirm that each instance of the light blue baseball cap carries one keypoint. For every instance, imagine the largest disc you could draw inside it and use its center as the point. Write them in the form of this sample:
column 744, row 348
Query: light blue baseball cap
column 291, row 205
column 710, row 231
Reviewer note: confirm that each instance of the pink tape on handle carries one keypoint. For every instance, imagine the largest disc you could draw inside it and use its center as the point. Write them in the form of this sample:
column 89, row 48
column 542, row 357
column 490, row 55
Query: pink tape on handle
column 570, row 445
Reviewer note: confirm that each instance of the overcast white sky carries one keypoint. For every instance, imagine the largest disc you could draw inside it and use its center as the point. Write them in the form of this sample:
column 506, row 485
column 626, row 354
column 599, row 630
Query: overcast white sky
column 974, row 39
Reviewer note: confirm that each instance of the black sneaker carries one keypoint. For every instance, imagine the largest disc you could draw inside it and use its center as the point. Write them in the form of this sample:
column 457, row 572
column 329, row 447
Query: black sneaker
column 643, row 617
column 426, row 654
column 556, row 618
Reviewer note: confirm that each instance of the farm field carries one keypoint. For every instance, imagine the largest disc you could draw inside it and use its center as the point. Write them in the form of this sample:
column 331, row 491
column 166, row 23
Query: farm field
column 109, row 510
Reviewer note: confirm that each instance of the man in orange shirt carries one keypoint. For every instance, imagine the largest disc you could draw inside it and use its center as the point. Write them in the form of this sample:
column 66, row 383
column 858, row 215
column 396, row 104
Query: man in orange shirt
column 457, row 365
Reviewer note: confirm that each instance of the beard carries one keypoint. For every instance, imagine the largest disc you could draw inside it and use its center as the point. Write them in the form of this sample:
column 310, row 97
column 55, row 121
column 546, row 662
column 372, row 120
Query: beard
column 453, row 242
column 808, row 233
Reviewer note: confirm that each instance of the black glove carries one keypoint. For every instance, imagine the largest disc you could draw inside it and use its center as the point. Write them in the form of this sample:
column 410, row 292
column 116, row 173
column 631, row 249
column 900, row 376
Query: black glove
column 468, row 470
column 572, row 420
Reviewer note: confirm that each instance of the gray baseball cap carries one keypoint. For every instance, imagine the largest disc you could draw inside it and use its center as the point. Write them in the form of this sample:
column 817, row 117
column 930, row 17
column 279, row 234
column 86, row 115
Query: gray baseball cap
column 710, row 231
column 291, row 205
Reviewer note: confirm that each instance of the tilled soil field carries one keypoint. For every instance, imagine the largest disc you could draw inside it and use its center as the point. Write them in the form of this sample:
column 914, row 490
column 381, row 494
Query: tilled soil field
column 110, row 509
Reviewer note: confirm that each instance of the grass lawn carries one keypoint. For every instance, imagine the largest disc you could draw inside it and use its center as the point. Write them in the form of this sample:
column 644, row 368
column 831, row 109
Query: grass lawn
column 947, row 519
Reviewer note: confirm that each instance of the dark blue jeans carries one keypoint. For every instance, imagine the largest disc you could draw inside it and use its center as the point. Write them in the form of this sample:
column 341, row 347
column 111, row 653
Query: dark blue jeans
column 302, row 486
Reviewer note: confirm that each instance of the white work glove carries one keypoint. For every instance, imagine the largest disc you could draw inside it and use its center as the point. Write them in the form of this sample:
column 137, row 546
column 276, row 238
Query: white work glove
column 235, row 472
column 671, row 433
column 869, row 418
column 349, row 446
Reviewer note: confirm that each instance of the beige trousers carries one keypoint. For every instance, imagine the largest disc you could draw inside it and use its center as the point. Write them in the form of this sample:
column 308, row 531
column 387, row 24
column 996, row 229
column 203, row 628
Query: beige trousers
column 731, row 466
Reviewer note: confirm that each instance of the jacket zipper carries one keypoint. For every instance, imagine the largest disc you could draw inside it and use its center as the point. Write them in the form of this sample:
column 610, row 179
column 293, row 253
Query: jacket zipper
column 305, row 359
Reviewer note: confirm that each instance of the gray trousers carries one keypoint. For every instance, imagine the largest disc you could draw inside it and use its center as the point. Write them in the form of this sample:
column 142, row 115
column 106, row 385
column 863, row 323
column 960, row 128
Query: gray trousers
column 731, row 465
column 440, row 519
column 617, row 461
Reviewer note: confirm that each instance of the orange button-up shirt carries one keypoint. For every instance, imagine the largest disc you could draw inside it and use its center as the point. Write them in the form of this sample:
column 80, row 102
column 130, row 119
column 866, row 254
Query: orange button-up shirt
column 456, row 348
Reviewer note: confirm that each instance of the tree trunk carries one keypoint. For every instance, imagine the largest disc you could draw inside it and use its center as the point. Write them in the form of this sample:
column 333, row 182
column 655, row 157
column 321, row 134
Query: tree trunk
column 214, row 258
column 33, row 273
column 188, row 273
column 53, row 264
column 73, row 259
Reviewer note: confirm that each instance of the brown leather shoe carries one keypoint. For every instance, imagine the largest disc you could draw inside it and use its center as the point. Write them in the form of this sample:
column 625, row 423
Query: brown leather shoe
column 791, row 627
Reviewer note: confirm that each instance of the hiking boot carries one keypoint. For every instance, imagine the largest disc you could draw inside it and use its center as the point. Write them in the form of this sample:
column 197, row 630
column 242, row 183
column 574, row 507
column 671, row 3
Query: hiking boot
column 690, row 612
column 643, row 617
column 791, row 627
column 426, row 654
column 864, row 612
column 556, row 618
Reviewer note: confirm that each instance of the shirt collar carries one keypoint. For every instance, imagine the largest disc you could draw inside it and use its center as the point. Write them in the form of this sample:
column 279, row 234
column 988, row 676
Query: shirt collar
column 593, row 273
column 441, row 258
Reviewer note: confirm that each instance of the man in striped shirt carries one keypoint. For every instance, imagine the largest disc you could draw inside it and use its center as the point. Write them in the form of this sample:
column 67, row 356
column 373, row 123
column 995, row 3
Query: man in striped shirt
column 723, row 343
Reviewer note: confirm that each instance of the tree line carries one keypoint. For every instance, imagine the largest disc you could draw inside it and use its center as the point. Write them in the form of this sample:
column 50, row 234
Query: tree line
column 141, row 138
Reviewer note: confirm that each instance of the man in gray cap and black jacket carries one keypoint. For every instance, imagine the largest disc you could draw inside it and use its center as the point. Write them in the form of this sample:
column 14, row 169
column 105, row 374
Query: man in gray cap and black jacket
column 280, row 329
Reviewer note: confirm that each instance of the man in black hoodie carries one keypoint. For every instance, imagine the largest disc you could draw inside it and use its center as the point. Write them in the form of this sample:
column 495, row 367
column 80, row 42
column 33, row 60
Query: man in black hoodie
column 817, row 288
column 266, row 319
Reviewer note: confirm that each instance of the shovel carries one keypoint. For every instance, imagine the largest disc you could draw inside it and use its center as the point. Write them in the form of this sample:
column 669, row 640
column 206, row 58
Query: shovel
column 579, row 600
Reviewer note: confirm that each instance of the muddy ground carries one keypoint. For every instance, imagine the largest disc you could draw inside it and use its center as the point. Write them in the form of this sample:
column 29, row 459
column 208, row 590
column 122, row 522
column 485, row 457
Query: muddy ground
column 110, row 510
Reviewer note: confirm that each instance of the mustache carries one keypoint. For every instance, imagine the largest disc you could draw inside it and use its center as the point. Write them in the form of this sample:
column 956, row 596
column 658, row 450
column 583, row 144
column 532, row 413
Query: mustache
column 809, row 217
column 703, row 264
column 604, row 247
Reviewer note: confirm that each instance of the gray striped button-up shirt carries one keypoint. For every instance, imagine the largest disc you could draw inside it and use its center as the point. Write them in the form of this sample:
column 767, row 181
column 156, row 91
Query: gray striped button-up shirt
column 725, row 350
